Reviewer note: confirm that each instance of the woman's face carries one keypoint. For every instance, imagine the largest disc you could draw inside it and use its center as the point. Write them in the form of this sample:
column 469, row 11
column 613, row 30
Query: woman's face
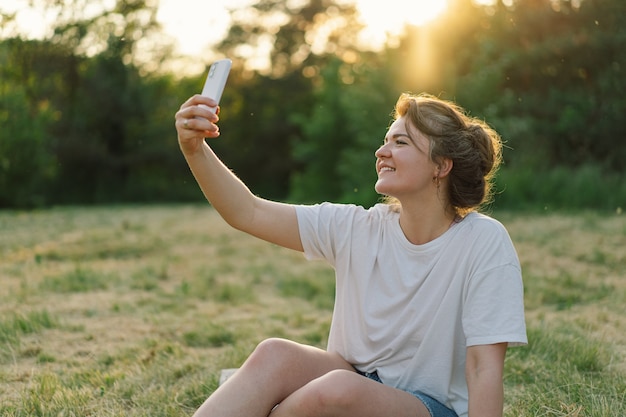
column 403, row 162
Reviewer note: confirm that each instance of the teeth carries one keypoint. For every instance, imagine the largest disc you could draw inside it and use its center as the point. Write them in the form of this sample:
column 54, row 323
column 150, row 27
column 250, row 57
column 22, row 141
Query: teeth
column 384, row 169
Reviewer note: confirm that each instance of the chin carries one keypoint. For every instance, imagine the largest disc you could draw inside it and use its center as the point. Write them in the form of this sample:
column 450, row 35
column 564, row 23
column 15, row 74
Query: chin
column 381, row 189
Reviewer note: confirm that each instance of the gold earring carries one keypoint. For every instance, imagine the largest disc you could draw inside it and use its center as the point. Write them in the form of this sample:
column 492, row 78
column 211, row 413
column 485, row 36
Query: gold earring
column 436, row 181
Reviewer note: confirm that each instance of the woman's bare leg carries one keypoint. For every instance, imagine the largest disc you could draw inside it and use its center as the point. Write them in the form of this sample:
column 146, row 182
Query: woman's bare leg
column 342, row 393
column 275, row 370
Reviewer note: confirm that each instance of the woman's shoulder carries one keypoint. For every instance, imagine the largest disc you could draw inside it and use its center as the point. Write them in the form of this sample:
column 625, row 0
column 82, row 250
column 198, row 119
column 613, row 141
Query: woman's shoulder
column 376, row 211
column 344, row 217
column 482, row 224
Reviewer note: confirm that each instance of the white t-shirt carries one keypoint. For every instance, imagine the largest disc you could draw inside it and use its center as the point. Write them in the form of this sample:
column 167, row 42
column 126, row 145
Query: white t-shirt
column 410, row 311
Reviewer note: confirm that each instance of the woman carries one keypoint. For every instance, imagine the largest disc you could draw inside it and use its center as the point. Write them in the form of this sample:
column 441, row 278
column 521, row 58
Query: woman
column 429, row 292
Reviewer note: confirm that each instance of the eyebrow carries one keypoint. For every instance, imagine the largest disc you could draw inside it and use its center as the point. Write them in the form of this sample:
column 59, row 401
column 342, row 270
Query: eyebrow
column 399, row 135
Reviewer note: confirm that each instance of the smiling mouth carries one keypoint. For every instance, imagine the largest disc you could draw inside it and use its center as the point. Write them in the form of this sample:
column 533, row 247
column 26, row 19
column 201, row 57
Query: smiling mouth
column 386, row 169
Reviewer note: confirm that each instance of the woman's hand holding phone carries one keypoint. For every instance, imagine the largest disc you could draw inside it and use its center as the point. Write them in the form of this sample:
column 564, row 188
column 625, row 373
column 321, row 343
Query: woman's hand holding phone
column 197, row 118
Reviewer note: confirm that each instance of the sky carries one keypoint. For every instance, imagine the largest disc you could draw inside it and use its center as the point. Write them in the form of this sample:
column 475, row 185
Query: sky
column 197, row 24
column 194, row 24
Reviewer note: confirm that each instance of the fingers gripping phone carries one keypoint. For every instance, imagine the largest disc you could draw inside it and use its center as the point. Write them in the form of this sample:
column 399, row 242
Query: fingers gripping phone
column 216, row 81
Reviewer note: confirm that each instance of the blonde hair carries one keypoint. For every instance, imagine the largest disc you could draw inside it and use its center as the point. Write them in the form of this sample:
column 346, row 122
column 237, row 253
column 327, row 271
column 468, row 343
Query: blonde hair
column 474, row 148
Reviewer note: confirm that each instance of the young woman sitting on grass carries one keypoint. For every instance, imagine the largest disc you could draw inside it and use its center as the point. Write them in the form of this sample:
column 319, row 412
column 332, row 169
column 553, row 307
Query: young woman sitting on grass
column 428, row 291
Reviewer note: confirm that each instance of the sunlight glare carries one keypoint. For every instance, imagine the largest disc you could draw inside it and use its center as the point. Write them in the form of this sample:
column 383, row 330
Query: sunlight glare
column 392, row 18
column 194, row 29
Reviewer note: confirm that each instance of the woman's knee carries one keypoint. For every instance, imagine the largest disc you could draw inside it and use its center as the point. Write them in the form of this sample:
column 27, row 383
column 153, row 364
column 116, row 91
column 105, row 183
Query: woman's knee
column 340, row 387
column 336, row 390
column 346, row 393
column 273, row 353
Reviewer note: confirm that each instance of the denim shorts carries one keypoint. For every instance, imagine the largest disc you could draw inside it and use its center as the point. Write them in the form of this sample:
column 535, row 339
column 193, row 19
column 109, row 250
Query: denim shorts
column 435, row 408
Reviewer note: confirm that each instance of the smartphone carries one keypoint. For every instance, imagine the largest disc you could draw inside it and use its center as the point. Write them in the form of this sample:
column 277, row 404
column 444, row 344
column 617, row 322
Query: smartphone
column 216, row 80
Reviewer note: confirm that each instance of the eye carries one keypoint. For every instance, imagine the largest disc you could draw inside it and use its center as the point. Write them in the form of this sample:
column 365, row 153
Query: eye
column 401, row 139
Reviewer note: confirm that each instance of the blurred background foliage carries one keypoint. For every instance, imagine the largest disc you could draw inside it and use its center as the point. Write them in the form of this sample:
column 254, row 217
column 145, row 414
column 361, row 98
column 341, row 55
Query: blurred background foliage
column 86, row 114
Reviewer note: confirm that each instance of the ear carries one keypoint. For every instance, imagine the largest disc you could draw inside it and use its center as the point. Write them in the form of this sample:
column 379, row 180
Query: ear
column 444, row 167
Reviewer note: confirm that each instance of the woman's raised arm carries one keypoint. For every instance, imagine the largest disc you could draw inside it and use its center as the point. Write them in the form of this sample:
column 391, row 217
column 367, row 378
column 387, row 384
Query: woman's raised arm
column 269, row 220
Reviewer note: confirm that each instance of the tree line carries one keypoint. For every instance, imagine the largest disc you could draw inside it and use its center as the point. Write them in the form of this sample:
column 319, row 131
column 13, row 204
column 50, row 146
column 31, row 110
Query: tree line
column 84, row 121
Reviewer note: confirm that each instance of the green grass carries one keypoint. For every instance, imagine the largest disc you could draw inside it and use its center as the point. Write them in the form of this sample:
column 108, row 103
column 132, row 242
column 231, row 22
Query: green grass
column 132, row 311
column 15, row 326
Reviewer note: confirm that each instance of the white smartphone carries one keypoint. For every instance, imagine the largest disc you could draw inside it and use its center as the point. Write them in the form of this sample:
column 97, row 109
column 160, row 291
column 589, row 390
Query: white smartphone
column 216, row 80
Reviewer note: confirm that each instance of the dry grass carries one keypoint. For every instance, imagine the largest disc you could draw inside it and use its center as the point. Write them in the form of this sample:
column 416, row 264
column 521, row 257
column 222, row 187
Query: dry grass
column 132, row 311
column 574, row 270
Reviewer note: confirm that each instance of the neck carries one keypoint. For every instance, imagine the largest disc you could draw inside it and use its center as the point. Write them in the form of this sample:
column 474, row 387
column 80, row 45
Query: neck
column 423, row 225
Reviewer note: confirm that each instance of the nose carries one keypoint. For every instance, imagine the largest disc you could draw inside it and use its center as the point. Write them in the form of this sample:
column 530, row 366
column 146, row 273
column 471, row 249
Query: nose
column 382, row 151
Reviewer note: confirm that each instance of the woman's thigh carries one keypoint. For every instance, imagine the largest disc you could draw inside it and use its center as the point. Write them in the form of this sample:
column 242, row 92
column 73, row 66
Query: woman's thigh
column 276, row 369
column 291, row 365
column 344, row 393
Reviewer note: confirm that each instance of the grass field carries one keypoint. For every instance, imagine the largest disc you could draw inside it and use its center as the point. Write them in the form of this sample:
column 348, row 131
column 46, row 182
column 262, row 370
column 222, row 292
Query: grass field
column 132, row 311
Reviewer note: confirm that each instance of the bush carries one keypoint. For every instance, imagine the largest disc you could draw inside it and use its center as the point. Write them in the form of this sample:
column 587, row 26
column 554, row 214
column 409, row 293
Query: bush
column 560, row 188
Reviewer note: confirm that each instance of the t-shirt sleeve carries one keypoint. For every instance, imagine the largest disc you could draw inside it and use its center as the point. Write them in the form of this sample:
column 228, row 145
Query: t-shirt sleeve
column 319, row 226
column 328, row 229
column 493, row 308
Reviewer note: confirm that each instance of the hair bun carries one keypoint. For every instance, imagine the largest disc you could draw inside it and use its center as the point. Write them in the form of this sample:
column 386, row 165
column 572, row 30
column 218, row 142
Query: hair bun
column 489, row 150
